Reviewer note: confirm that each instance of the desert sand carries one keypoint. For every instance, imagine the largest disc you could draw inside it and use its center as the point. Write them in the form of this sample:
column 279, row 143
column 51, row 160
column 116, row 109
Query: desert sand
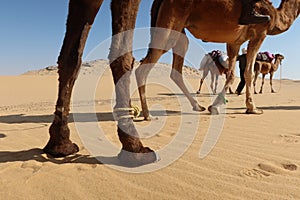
column 256, row 156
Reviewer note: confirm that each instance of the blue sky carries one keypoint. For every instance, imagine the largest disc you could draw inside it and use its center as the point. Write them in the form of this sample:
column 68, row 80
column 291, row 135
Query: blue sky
column 32, row 32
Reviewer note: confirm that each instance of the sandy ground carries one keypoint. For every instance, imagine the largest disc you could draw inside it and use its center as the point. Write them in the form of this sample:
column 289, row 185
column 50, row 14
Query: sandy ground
column 256, row 156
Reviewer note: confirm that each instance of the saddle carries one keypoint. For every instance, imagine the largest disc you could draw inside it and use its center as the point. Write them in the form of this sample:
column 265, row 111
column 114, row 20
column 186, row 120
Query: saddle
column 265, row 56
column 220, row 57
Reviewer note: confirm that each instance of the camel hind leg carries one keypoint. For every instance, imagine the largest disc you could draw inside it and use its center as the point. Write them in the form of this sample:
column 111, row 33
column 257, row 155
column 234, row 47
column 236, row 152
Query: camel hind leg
column 179, row 51
column 163, row 38
column 80, row 19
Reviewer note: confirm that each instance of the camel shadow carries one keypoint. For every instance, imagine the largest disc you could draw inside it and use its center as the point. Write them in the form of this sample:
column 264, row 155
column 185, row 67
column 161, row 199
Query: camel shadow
column 202, row 94
column 2, row 135
column 79, row 117
column 38, row 155
column 271, row 108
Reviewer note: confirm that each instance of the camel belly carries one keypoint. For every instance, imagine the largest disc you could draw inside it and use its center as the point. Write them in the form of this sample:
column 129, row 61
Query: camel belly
column 210, row 34
column 217, row 22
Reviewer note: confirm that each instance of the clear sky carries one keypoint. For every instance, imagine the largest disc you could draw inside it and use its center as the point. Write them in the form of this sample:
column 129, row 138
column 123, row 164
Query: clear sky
column 32, row 31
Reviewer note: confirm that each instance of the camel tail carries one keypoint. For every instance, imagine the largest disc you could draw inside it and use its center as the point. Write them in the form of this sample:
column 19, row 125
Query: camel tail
column 154, row 11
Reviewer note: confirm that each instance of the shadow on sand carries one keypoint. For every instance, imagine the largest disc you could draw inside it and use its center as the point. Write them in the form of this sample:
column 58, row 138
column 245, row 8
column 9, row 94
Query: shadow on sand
column 83, row 117
column 38, row 155
column 271, row 108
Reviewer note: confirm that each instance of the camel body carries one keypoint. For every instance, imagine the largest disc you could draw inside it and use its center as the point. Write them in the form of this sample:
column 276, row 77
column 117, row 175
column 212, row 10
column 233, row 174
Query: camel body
column 265, row 68
column 212, row 21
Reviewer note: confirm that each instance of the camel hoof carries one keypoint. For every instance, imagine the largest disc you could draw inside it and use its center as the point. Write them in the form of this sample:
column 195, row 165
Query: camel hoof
column 213, row 110
column 255, row 111
column 255, row 92
column 273, row 91
column 130, row 159
column 199, row 108
column 198, row 92
column 61, row 150
column 150, row 118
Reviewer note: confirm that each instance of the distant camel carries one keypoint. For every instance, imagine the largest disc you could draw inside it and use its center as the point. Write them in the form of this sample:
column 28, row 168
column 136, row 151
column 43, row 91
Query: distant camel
column 265, row 67
column 216, row 69
column 212, row 21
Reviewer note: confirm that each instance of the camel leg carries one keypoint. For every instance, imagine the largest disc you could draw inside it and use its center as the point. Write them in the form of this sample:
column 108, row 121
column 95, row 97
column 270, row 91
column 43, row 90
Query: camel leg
column 205, row 73
column 80, row 19
column 216, row 83
column 262, row 84
column 254, row 81
column 133, row 152
column 142, row 73
column 230, row 90
column 179, row 51
column 162, row 40
column 253, row 48
column 232, row 51
column 271, row 82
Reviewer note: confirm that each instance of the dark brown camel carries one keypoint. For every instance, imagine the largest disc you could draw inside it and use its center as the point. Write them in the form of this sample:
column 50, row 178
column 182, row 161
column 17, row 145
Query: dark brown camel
column 265, row 68
column 80, row 19
column 213, row 21
column 215, row 68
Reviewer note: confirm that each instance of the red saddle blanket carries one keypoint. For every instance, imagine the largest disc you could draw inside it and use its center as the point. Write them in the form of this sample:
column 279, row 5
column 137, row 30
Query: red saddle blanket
column 265, row 56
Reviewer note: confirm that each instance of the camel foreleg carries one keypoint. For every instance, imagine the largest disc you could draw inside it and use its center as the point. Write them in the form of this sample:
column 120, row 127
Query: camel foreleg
column 271, row 82
column 133, row 152
column 262, row 84
column 253, row 47
column 69, row 62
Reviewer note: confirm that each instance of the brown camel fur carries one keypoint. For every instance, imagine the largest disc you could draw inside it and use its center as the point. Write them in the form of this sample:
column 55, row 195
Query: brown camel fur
column 80, row 19
column 266, row 68
column 215, row 68
column 213, row 21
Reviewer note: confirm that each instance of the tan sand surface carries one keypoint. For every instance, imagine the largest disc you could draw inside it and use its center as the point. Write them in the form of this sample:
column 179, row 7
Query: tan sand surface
column 256, row 156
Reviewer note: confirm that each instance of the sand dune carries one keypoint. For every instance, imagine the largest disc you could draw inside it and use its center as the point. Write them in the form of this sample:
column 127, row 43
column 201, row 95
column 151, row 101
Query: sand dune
column 256, row 156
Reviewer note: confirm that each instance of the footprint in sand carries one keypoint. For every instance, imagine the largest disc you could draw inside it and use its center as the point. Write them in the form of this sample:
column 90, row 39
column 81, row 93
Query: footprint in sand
column 254, row 173
column 277, row 168
column 268, row 168
column 287, row 138
column 35, row 166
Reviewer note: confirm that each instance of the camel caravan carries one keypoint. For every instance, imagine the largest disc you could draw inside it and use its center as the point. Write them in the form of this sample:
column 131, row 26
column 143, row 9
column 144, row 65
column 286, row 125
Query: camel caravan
column 216, row 64
column 233, row 22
